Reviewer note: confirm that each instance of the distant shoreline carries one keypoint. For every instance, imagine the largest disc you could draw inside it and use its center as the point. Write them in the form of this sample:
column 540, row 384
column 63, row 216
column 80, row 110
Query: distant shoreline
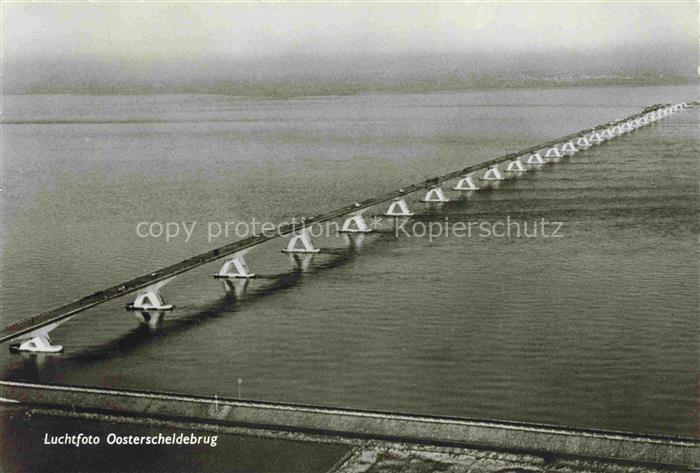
column 299, row 89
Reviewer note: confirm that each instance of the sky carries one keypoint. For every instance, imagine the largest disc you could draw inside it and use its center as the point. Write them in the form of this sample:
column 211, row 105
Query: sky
column 245, row 29
column 44, row 35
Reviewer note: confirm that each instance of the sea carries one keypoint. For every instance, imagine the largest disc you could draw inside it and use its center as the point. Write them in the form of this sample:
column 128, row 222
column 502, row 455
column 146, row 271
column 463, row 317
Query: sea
column 596, row 326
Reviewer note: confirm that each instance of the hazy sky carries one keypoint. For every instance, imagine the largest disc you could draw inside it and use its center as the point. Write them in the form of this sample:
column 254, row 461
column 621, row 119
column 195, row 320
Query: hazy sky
column 64, row 46
column 181, row 30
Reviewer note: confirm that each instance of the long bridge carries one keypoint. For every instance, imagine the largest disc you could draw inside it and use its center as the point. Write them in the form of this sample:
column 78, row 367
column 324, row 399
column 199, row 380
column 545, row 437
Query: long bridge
column 32, row 333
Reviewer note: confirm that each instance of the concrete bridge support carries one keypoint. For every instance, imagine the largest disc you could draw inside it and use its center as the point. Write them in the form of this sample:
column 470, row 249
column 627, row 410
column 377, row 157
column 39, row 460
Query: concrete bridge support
column 150, row 298
column 493, row 174
column 516, row 166
column 466, row 183
column 554, row 154
column 535, row 159
column 355, row 224
column 435, row 195
column 236, row 267
column 398, row 208
column 569, row 149
column 39, row 343
column 583, row 143
column 301, row 243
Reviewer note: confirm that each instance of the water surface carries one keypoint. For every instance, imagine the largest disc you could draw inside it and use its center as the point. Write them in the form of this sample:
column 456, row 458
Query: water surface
column 597, row 328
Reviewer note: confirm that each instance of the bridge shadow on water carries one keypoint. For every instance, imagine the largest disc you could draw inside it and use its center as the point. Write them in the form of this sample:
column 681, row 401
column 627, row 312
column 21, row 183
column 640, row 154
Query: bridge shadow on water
column 155, row 326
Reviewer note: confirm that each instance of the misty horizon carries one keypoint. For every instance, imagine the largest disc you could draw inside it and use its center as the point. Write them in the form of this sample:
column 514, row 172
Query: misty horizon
column 35, row 75
column 233, row 48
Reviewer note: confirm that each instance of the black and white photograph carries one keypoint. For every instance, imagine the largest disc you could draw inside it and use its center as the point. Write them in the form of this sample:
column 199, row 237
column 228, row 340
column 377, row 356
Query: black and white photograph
column 349, row 236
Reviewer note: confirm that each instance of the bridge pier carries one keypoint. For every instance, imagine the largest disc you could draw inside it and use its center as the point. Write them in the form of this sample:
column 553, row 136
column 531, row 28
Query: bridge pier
column 301, row 243
column 493, row 174
column 41, row 343
column 535, row 159
column 569, row 149
column 398, row 208
column 583, row 143
column 596, row 138
column 355, row 224
column 466, row 183
column 553, row 152
column 150, row 298
column 516, row 166
column 236, row 267
column 435, row 195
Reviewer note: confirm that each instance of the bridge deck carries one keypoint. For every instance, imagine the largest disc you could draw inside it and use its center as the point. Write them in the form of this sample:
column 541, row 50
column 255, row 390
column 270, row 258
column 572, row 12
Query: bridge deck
column 29, row 324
